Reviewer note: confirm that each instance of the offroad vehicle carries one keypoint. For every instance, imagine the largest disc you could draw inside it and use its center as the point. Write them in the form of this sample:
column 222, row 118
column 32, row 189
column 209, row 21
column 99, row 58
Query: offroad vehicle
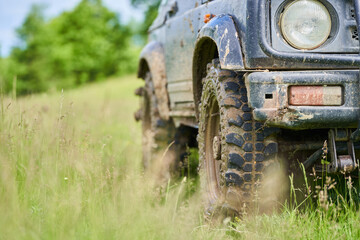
column 254, row 82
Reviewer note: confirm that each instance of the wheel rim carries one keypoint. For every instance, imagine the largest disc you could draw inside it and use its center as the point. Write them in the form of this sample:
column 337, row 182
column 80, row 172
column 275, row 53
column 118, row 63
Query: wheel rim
column 212, row 144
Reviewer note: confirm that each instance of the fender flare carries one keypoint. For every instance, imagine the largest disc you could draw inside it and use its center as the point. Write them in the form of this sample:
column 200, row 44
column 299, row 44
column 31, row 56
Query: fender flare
column 152, row 58
column 222, row 31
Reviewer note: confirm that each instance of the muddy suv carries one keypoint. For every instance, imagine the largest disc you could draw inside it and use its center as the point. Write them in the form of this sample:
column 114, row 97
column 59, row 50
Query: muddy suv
column 258, row 86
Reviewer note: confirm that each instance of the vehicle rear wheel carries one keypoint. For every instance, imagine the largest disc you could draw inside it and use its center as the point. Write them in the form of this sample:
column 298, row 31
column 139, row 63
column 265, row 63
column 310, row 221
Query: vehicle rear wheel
column 237, row 154
column 157, row 135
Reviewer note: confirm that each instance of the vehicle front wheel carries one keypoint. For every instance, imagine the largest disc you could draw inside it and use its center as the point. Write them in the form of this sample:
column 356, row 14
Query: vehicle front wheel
column 239, row 165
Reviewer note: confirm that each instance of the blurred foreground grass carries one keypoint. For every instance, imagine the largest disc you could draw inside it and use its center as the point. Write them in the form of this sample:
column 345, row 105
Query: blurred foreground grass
column 70, row 168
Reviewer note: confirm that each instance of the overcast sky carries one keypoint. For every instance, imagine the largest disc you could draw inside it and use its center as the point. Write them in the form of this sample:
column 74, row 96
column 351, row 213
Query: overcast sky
column 13, row 12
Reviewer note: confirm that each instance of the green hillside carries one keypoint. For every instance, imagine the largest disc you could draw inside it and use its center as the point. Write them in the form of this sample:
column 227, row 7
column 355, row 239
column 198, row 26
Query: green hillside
column 71, row 169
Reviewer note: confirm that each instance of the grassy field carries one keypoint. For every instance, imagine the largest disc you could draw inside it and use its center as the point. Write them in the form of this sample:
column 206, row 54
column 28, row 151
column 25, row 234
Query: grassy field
column 71, row 169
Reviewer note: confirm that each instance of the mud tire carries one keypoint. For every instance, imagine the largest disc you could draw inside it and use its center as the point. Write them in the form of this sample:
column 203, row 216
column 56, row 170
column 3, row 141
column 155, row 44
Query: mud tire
column 158, row 134
column 247, row 149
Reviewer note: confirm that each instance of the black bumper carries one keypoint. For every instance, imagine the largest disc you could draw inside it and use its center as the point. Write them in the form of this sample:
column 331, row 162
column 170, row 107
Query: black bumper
column 277, row 111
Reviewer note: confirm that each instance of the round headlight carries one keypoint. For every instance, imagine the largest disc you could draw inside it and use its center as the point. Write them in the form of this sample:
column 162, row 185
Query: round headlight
column 305, row 24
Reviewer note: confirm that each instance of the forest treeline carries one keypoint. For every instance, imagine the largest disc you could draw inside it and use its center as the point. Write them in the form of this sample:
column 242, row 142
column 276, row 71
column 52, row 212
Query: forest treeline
column 86, row 44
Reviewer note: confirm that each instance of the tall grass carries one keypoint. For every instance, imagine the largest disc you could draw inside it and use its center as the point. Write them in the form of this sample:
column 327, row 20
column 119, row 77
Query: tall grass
column 70, row 168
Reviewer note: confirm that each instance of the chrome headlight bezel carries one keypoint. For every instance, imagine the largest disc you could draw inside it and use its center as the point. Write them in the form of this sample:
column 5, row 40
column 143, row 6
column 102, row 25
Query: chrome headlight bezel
column 294, row 42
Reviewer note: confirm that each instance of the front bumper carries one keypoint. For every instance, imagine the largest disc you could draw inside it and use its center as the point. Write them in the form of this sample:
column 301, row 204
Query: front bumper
column 276, row 111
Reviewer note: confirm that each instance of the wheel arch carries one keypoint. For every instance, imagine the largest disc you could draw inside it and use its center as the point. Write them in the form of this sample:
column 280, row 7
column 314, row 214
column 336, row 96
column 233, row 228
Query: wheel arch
column 219, row 38
column 152, row 58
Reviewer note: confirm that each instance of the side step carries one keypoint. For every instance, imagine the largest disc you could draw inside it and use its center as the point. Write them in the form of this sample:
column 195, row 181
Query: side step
column 139, row 91
column 138, row 115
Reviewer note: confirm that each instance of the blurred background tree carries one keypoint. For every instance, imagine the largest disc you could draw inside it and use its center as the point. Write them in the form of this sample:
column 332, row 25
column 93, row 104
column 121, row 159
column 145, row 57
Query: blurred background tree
column 84, row 45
